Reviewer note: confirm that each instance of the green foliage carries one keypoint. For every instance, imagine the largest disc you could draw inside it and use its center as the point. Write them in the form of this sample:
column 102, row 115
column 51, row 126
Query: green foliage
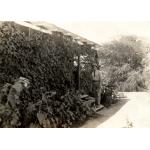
column 122, row 64
column 146, row 71
column 50, row 111
column 134, row 82
column 47, row 61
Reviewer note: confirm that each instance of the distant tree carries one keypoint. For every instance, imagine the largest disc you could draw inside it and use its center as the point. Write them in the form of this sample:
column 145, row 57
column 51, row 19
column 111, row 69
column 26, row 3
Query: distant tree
column 120, row 58
column 127, row 49
column 146, row 71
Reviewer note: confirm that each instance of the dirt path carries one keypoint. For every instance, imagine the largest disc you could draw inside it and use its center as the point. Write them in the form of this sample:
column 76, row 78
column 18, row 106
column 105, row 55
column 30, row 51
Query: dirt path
column 131, row 111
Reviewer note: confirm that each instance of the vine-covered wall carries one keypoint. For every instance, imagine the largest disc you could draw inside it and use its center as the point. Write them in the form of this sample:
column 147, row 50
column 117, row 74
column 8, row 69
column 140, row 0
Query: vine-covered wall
column 47, row 60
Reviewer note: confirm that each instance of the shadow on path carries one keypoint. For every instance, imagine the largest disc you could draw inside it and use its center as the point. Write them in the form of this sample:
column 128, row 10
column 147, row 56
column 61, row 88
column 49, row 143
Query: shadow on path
column 104, row 114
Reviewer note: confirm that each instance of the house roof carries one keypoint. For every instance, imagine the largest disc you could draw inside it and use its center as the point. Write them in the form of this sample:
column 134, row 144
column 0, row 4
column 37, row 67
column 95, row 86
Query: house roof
column 50, row 28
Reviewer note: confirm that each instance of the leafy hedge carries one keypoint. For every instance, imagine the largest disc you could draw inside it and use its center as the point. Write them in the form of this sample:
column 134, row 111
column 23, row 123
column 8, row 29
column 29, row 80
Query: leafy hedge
column 48, row 62
column 47, row 112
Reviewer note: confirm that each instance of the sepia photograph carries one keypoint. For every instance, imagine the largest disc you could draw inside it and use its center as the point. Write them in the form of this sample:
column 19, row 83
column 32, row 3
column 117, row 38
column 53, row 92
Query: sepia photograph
column 74, row 74
column 81, row 74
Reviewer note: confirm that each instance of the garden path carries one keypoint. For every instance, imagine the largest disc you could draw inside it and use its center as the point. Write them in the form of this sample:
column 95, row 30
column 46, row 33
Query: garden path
column 132, row 110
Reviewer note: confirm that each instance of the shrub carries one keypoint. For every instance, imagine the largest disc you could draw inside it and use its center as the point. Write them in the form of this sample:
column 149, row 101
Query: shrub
column 122, row 64
column 47, row 61
column 49, row 111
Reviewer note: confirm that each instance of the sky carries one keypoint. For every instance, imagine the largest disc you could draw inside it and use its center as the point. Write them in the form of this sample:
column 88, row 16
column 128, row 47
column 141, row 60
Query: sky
column 105, row 31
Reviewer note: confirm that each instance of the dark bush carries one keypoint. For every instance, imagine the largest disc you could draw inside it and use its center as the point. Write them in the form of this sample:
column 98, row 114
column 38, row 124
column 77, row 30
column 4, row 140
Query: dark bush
column 48, row 62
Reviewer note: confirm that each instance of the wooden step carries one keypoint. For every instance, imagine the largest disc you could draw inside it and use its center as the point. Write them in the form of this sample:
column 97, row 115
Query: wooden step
column 98, row 108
